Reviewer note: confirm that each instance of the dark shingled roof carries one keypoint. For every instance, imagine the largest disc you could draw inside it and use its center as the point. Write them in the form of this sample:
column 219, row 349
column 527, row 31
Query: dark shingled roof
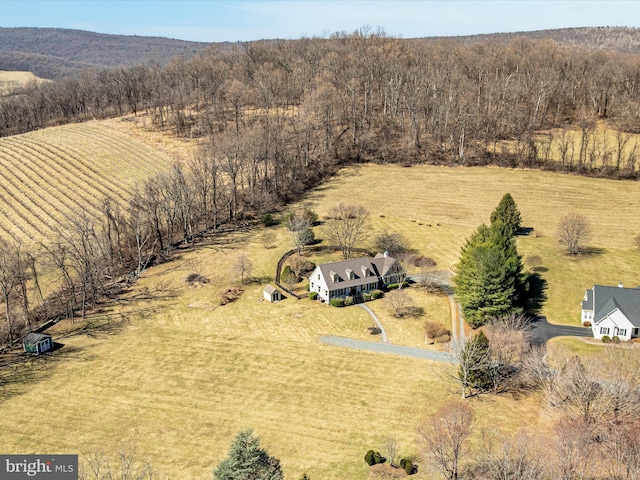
column 383, row 263
column 33, row 338
column 604, row 300
column 355, row 265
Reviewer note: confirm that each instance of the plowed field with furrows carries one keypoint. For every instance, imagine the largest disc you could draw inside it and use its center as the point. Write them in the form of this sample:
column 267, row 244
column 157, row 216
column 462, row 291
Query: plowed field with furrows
column 52, row 174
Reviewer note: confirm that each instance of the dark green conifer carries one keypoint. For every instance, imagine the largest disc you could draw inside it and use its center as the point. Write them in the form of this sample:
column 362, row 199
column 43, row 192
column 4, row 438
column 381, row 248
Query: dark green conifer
column 507, row 212
column 488, row 275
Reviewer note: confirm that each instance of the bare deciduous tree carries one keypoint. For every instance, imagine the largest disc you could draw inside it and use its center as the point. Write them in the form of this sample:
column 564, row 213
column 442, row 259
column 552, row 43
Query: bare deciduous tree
column 393, row 243
column 572, row 448
column 345, row 226
column 243, row 267
column 125, row 466
column 516, row 458
column 443, row 437
column 9, row 281
column 573, row 230
column 400, row 304
column 427, row 278
column 579, row 392
column 509, row 337
column 299, row 226
column 535, row 372
column 391, row 449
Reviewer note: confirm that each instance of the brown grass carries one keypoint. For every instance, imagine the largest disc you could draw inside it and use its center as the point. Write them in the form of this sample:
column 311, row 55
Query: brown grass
column 51, row 174
column 10, row 80
column 185, row 374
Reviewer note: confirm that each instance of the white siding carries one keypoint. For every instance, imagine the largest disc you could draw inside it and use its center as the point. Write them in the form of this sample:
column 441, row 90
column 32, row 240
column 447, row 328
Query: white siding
column 618, row 325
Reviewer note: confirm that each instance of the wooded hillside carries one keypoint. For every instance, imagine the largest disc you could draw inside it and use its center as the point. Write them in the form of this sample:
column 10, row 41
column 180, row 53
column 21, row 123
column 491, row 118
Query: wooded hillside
column 615, row 39
column 56, row 52
column 368, row 97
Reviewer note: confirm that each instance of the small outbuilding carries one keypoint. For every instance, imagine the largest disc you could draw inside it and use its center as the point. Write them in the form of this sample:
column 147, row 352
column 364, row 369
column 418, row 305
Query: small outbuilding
column 271, row 294
column 37, row 343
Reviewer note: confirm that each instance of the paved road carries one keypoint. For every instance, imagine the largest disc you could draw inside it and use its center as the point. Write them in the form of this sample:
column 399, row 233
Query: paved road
column 383, row 332
column 386, row 348
column 542, row 330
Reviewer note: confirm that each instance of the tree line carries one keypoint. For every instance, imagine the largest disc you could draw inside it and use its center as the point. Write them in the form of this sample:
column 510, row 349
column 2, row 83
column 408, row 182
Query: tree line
column 93, row 257
column 365, row 96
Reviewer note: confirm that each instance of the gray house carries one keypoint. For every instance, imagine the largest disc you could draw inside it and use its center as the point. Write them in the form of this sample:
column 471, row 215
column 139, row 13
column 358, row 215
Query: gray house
column 612, row 311
column 355, row 277
column 37, row 343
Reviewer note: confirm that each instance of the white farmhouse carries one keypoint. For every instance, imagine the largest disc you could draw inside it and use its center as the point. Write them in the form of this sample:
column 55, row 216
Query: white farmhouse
column 355, row 277
column 612, row 311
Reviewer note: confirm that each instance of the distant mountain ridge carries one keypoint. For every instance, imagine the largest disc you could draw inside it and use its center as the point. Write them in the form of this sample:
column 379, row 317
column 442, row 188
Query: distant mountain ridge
column 57, row 52
column 617, row 39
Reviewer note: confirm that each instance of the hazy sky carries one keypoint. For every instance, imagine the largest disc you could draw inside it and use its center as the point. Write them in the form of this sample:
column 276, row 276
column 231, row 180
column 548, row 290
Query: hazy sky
column 220, row 20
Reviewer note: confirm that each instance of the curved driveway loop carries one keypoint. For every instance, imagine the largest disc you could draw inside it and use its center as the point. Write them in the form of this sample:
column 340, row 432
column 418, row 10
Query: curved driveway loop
column 386, row 348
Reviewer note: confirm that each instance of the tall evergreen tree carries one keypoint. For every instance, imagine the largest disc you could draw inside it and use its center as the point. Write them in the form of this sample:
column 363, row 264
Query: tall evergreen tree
column 248, row 461
column 507, row 212
column 488, row 275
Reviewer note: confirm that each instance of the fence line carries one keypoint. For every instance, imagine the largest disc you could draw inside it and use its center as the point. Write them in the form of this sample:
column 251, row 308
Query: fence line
column 315, row 248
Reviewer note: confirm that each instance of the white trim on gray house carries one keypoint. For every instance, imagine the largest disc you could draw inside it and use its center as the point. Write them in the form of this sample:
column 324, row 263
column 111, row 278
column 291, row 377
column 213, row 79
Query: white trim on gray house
column 612, row 311
column 355, row 277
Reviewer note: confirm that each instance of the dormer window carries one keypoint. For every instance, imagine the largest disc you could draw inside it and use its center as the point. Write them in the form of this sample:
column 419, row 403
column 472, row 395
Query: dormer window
column 365, row 271
column 350, row 274
column 334, row 276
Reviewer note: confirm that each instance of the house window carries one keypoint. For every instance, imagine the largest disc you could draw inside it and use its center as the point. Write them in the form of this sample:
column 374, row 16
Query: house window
column 622, row 332
column 604, row 331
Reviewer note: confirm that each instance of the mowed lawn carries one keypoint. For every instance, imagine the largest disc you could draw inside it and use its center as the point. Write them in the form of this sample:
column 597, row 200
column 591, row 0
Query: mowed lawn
column 185, row 374
column 437, row 208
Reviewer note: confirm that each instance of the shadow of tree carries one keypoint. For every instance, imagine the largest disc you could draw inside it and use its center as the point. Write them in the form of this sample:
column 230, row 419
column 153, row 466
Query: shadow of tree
column 591, row 251
column 536, row 287
column 540, row 269
column 19, row 371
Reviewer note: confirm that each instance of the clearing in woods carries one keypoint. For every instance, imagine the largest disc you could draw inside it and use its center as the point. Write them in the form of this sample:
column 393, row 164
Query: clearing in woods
column 185, row 374
column 10, row 80
column 51, row 174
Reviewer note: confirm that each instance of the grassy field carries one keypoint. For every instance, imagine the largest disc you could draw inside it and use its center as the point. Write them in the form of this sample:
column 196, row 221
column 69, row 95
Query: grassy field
column 10, row 80
column 184, row 374
column 51, row 173
column 438, row 207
